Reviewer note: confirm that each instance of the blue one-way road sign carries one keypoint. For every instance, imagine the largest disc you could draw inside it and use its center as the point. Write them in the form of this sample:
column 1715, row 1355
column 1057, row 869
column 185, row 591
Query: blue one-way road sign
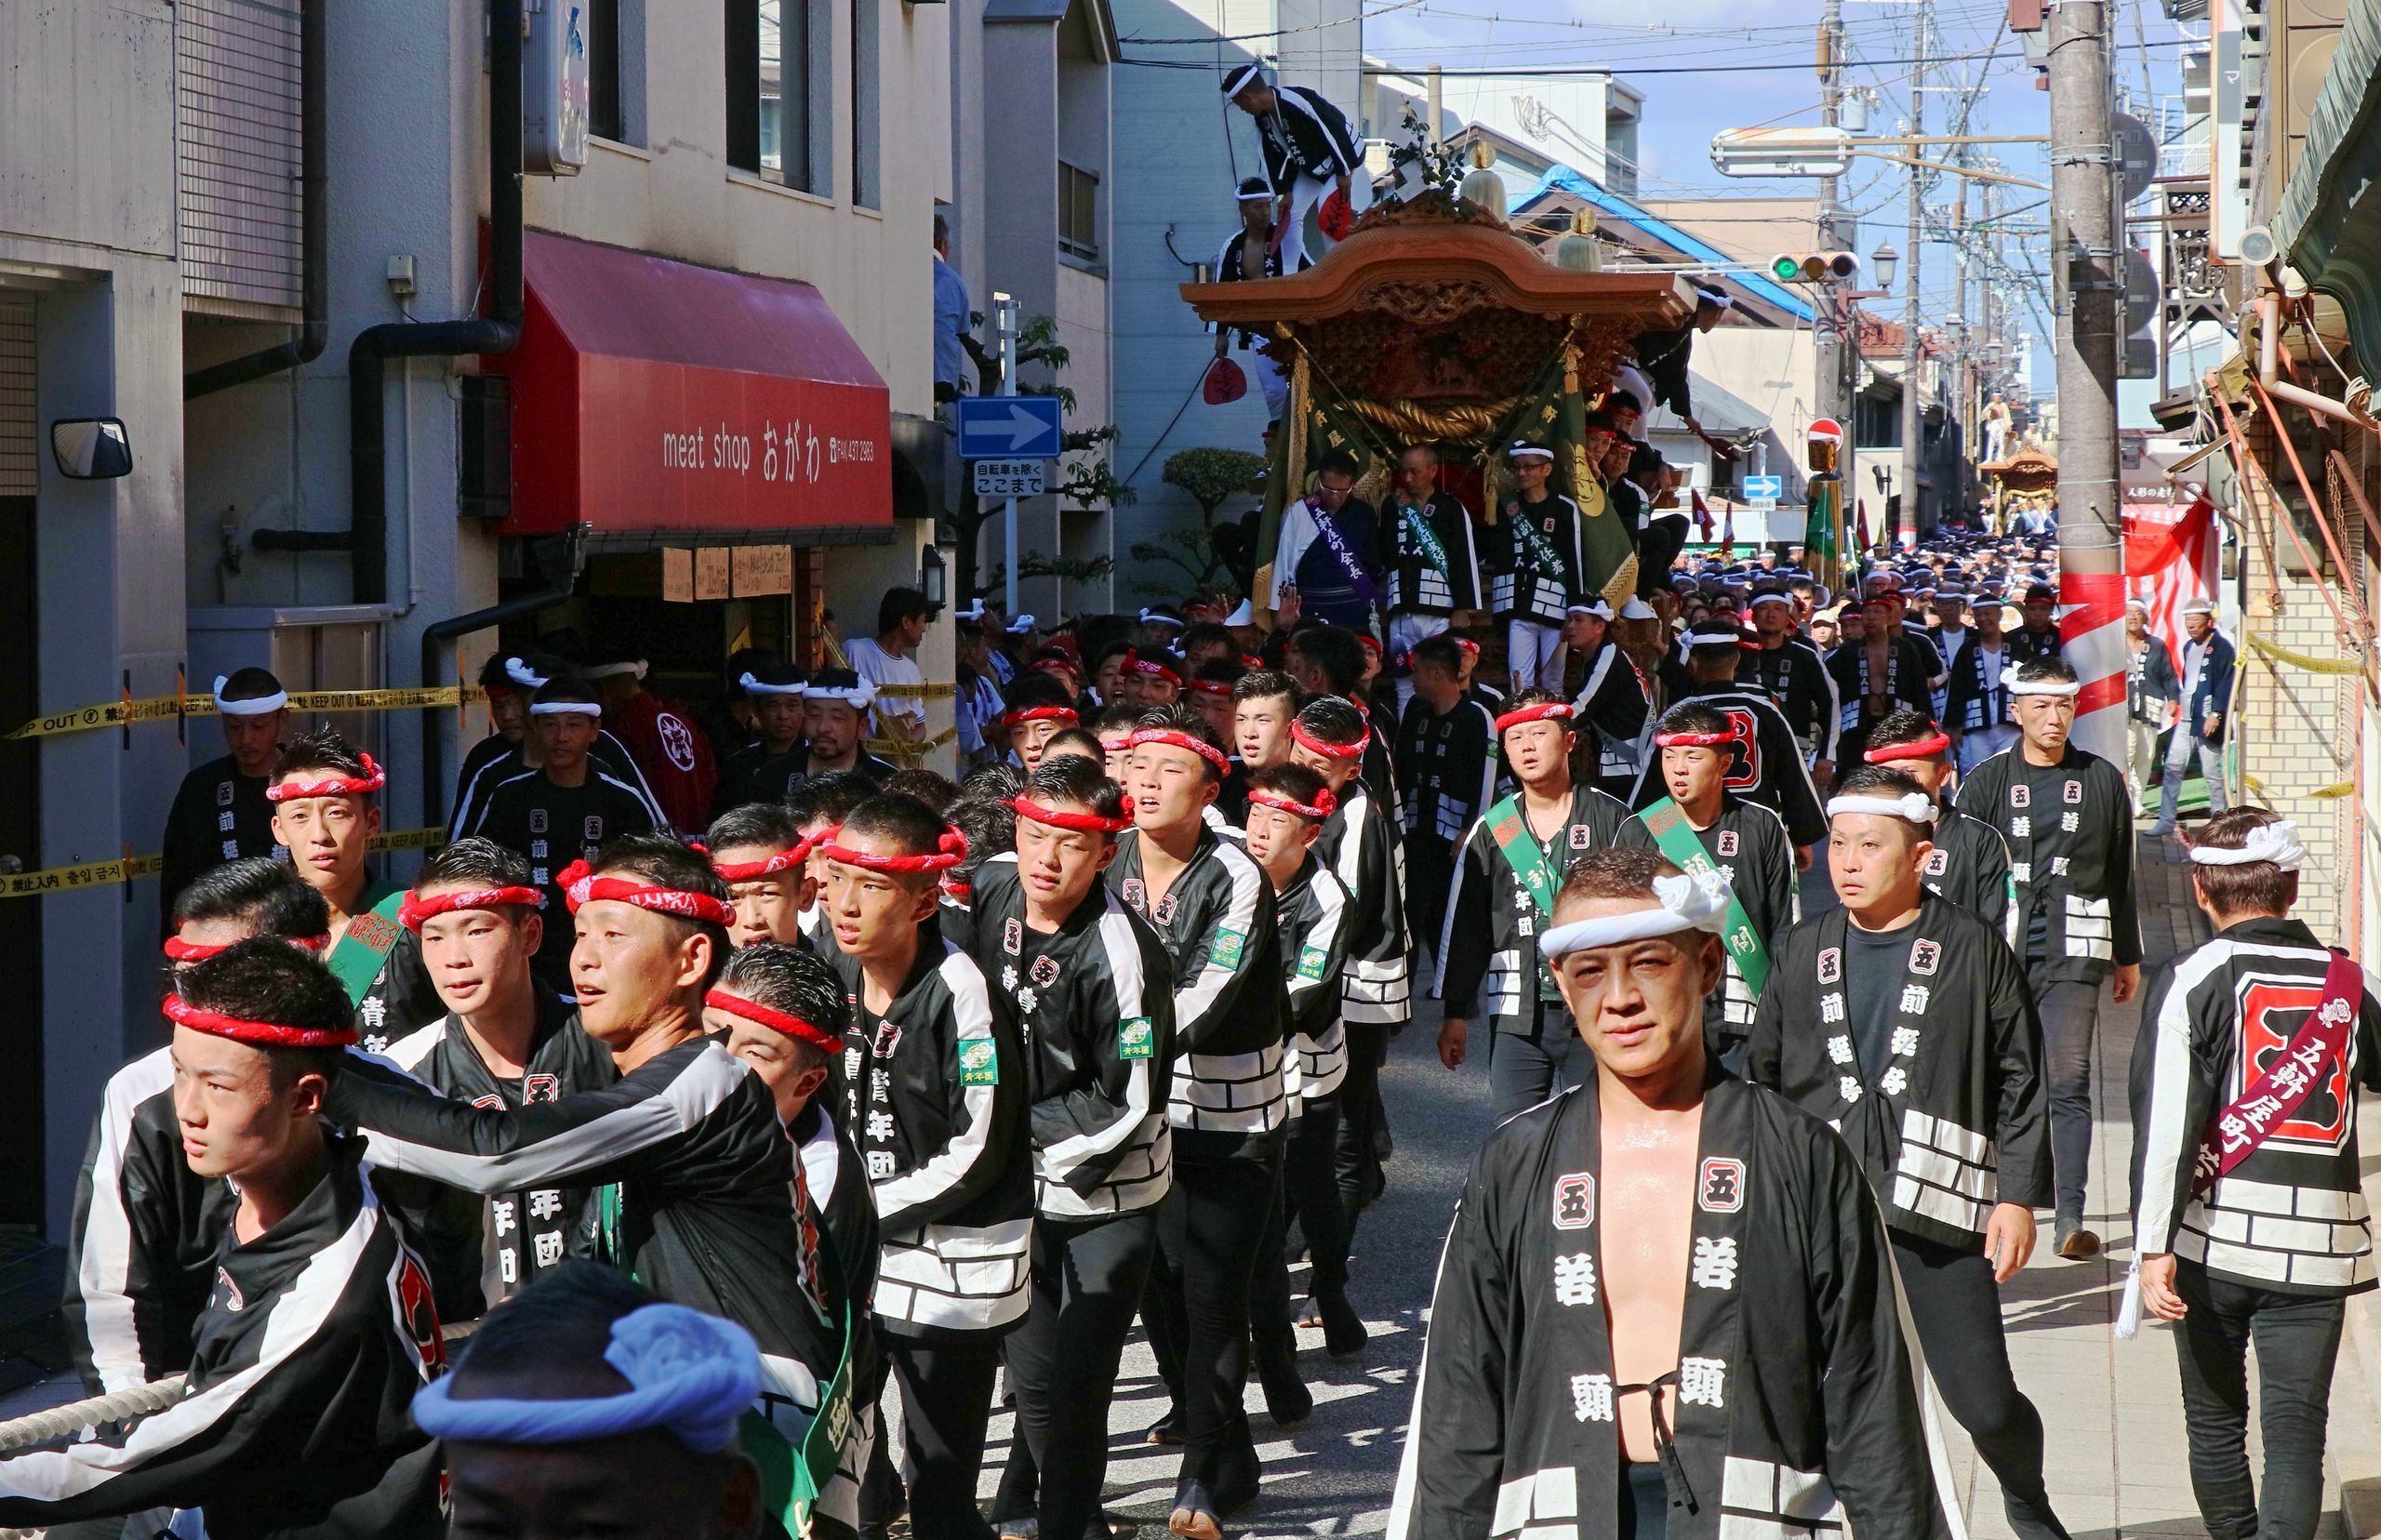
column 1018, row 427
column 1772, row 488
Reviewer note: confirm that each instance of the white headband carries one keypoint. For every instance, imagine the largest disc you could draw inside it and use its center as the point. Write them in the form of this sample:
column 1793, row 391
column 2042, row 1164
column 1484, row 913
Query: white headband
column 2275, row 842
column 859, row 696
column 1159, row 618
column 519, row 674
column 1019, row 626
column 566, row 708
column 753, row 686
column 2016, row 686
column 608, row 670
column 1686, row 902
column 1600, row 609
column 2199, row 606
column 1915, row 806
column 261, row 705
column 1773, row 599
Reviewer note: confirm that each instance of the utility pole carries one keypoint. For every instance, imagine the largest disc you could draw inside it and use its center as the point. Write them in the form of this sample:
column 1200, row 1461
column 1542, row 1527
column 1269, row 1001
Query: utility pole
column 1828, row 346
column 2091, row 540
column 1911, row 419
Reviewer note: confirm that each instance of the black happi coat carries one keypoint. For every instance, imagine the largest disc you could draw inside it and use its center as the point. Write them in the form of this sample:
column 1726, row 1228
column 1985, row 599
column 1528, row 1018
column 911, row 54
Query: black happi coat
column 1748, row 844
column 550, row 827
column 1804, row 686
column 1095, row 1004
column 1306, row 136
column 1612, row 708
column 1975, row 701
column 703, row 1207
column 1312, row 917
column 935, row 1100
column 1446, row 765
column 1218, row 926
column 2025, row 643
column 1488, row 954
column 1795, row 1405
column 1537, row 578
column 1768, row 769
column 523, row 1233
column 217, row 816
column 307, row 1352
column 1957, row 1118
column 778, row 777
column 2292, row 1216
column 1359, row 845
column 494, row 759
column 1911, row 662
column 2075, row 885
column 1416, row 585
column 1969, row 867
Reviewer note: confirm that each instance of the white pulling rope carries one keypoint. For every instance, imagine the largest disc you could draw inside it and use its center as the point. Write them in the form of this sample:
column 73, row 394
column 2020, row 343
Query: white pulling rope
column 43, row 1428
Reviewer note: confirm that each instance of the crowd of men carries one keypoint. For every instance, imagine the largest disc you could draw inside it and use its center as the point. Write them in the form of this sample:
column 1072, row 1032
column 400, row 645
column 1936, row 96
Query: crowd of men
column 743, row 1104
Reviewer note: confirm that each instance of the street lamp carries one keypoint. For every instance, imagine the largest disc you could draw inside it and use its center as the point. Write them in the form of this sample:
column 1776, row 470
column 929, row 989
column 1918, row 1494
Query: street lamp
column 1881, row 263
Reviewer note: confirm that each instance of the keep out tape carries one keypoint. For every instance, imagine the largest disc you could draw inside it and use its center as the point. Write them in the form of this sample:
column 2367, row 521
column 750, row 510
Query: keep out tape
column 91, row 874
column 123, row 714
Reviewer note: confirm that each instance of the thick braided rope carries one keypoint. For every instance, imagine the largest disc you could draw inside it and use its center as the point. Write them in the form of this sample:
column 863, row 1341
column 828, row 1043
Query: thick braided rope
column 60, row 1422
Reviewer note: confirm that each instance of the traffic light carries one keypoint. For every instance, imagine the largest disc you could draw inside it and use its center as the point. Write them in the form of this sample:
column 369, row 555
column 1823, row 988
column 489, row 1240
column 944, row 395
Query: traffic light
column 1813, row 267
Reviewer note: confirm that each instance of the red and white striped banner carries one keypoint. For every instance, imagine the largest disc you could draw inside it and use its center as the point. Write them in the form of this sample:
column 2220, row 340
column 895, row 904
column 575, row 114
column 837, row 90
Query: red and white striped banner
column 2170, row 557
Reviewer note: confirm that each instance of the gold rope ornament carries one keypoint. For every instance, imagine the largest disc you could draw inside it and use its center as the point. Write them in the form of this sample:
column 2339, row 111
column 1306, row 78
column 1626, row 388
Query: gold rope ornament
column 2268, row 648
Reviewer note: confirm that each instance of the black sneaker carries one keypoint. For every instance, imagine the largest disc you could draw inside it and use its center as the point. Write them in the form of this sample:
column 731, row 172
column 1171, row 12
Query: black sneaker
column 2079, row 1244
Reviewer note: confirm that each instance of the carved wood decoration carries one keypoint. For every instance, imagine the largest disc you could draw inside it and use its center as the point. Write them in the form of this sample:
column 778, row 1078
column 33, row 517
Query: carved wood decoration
column 1435, row 301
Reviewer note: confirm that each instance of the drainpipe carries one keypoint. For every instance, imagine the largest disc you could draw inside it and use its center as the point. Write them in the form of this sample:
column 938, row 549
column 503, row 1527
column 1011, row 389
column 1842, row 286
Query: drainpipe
column 313, row 226
column 2269, row 351
column 366, row 538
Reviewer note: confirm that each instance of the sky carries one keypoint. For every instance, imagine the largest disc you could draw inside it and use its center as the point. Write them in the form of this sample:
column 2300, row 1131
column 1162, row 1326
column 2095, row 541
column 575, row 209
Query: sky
column 1716, row 38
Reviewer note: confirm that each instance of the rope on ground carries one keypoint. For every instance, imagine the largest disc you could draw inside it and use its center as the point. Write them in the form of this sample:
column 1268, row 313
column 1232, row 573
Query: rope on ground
column 2280, row 654
column 59, row 1421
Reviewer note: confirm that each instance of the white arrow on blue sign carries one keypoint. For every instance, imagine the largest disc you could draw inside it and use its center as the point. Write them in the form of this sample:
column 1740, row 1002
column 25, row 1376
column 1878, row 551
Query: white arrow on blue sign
column 1772, row 488
column 1018, row 427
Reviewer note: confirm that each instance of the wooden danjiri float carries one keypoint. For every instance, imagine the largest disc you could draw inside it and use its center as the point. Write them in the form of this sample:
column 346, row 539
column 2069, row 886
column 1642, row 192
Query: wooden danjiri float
column 1433, row 323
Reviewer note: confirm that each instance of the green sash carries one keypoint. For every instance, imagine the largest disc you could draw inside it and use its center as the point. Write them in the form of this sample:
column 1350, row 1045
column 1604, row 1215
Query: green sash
column 1540, row 556
column 1669, row 827
column 792, row 1477
column 1528, row 858
column 1418, row 521
column 371, row 936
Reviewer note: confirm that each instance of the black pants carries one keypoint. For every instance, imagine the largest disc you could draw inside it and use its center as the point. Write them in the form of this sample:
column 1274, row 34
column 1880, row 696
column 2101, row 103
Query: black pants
column 946, row 1402
column 1956, row 1306
column 2298, row 1341
column 1088, row 1279
column 1427, row 872
column 1527, row 1068
column 2070, row 1014
column 1360, row 1119
column 1308, row 1191
column 1210, row 1229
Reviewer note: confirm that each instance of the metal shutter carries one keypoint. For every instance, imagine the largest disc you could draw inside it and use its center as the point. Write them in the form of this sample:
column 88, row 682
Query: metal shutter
column 20, row 425
column 239, row 138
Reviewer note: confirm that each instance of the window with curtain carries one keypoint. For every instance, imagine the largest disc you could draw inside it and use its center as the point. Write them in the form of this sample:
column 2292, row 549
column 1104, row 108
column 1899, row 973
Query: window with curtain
column 1078, row 212
column 779, row 90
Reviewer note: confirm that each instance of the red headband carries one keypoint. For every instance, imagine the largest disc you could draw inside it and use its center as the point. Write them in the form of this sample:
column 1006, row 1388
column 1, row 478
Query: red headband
column 790, row 1025
column 958, row 892
column 1053, row 666
column 1328, row 750
column 784, row 860
column 259, row 1034
column 1040, row 714
column 180, row 951
column 1324, row 806
column 1136, row 663
column 1545, row 710
column 580, row 886
column 1471, row 648
column 1212, row 686
column 1923, row 748
column 1087, row 823
column 952, row 849
column 415, row 909
column 1167, row 737
column 1697, row 740
column 373, row 779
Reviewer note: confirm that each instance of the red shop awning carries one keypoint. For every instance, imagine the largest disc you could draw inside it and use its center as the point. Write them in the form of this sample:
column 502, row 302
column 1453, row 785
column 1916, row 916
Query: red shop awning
column 656, row 395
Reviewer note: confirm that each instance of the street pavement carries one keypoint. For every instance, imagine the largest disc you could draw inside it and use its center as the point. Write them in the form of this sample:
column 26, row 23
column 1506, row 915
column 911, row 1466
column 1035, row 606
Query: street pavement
column 2112, row 1409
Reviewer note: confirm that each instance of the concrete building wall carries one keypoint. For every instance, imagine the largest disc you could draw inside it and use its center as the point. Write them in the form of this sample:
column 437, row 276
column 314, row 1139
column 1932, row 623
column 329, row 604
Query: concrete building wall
column 87, row 230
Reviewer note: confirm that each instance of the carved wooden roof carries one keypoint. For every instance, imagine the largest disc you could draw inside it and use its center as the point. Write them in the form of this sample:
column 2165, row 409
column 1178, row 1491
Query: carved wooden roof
column 1421, row 301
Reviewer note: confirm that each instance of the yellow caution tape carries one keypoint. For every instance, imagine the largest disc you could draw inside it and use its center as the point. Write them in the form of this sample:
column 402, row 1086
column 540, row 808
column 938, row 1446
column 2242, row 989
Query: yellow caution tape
column 69, row 878
column 918, row 692
column 121, row 713
column 2328, row 794
column 2281, row 654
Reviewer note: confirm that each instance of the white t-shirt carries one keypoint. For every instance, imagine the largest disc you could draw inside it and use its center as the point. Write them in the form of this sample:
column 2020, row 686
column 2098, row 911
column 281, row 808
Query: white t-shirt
column 880, row 668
